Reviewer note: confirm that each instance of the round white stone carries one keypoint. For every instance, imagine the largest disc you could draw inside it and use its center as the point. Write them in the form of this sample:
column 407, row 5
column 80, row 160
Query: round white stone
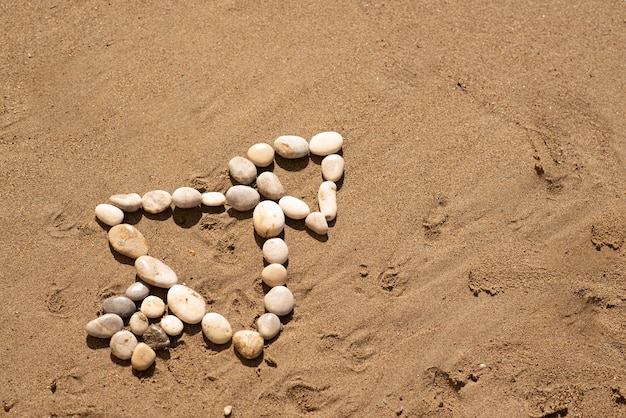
column 327, row 199
column 123, row 344
column 261, row 154
column 172, row 325
column 242, row 198
column 279, row 300
column 104, row 326
column 293, row 207
column 249, row 344
column 268, row 325
column 332, row 167
column 269, row 185
column 186, row 198
column 291, row 146
column 242, row 170
column 137, row 291
column 268, row 219
column 155, row 272
column 274, row 275
column 152, row 307
column 138, row 323
column 316, row 222
column 213, row 199
column 326, row 143
column 156, row 201
column 186, row 304
column 130, row 202
column 216, row 328
column 275, row 250
column 109, row 214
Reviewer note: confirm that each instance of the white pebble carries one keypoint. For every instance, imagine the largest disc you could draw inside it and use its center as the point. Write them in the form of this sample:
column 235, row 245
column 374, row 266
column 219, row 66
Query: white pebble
column 109, row 214
column 291, row 146
column 326, row 143
column 228, row 409
column 104, row 326
column 274, row 275
column 123, row 344
column 137, row 291
column 261, row 154
column 332, row 167
column 248, row 343
column 242, row 198
column 293, row 207
column 155, row 272
column 152, row 307
column 216, row 328
column 242, row 170
column 127, row 240
column 138, row 323
column 279, row 300
column 156, row 201
column 213, row 199
column 186, row 304
column 268, row 219
column 186, row 198
column 130, row 202
column 143, row 357
column 269, row 185
column 268, row 325
column 327, row 199
column 316, row 222
column 275, row 250
column 172, row 325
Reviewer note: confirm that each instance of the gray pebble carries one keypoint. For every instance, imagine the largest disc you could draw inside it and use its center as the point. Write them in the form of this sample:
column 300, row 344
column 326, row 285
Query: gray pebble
column 156, row 337
column 137, row 291
column 120, row 305
column 105, row 326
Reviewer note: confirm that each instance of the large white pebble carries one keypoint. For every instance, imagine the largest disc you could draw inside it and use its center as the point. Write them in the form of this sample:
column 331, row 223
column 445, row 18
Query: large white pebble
column 274, row 275
column 213, row 199
column 261, row 154
column 155, row 272
column 275, row 250
column 186, row 304
column 137, row 291
column 127, row 240
column 242, row 198
column 130, row 202
column 152, row 307
column 316, row 222
column 269, row 185
column 249, row 344
column 143, row 357
column 291, row 146
column 325, row 143
column 216, row 328
column 332, row 167
column 327, row 200
column 186, row 198
column 104, row 326
column 156, row 201
column 172, row 325
column 138, row 323
column 268, row 325
column 123, row 344
column 242, row 170
column 279, row 300
column 293, row 207
column 268, row 219
column 109, row 214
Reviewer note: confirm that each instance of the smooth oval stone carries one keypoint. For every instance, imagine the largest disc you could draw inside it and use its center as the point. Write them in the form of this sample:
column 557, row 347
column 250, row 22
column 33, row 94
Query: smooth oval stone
column 274, row 275
column 275, row 250
column 213, row 199
column 249, row 344
column 332, row 167
column 216, row 328
column 242, row 198
column 137, row 291
column 291, row 146
column 105, row 326
column 279, row 300
column 293, row 207
column 242, row 170
column 130, row 202
column 326, row 143
column 186, row 304
column 327, row 200
column 123, row 344
column 109, row 214
column 127, row 240
column 268, row 219
column 156, row 201
column 143, row 357
column 270, row 186
column 152, row 307
column 138, row 323
column 268, row 325
column 119, row 305
column 172, row 325
column 261, row 154
column 316, row 222
column 155, row 272
column 156, row 337
column 186, row 198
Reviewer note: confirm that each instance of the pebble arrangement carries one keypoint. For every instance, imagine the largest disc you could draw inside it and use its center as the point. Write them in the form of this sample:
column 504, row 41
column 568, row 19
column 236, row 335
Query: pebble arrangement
column 156, row 319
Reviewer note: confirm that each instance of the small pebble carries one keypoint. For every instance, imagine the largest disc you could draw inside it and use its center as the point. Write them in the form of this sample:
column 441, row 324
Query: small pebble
column 327, row 199
column 119, row 305
column 270, row 186
column 138, row 323
column 128, row 241
column 291, row 146
column 152, row 307
column 156, row 201
column 242, row 170
column 137, row 291
column 172, row 325
column 316, row 222
column 261, row 154
column 155, row 272
column 275, row 250
column 186, row 304
column 186, row 198
column 109, row 214
column 268, row 219
column 242, row 198
column 105, row 326
column 248, row 343
column 293, row 207
column 228, row 409
column 143, row 357
column 156, row 337
column 332, row 167
column 274, row 275
column 326, row 143
column 268, row 325
column 213, row 199
column 216, row 328
column 130, row 202
column 122, row 344
column 279, row 300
